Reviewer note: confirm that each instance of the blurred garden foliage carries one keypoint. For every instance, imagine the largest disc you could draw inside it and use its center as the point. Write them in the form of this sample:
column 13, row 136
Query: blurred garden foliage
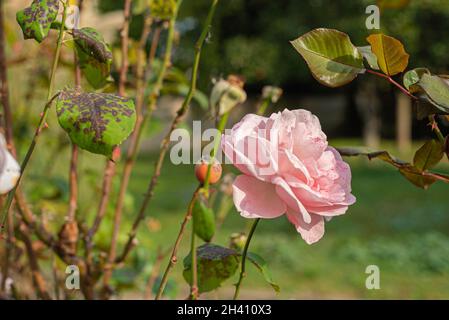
column 247, row 34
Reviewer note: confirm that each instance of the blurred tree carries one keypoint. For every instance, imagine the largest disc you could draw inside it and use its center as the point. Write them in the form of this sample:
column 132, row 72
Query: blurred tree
column 251, row 37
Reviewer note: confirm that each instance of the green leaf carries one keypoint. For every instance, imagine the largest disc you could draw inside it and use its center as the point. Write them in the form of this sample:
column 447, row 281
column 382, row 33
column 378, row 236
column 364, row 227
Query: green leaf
column 391, row 56
column 429, row 155
column 369, row 56
column 436, row 90
column 416, row 177
column 95, row 56
column 262, row 266
column 203, row 219
column 332, row 58
column 36, row 19
column 215, row 265
column 425, row 107
column 413, row 76
column 97, row 122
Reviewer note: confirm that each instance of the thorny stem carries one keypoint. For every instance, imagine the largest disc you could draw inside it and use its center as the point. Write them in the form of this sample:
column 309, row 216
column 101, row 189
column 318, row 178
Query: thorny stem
column 7, row 123
column 166, row 142
column 194, row 284
column 4, row 91
column 125, row 43
column 143, row 117
column 436, row 129
column 43, row 118
column 244, row 254
column 122, row 92
column 73, row 176
column 173, row 258
column 38, row 279
column 392, row 81
column 205, row 190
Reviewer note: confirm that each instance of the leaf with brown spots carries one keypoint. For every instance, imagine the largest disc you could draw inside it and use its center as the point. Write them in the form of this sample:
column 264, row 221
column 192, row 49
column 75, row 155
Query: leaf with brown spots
column 96, row 122
column 215, row 265
column 94, row 55
column 36, row 19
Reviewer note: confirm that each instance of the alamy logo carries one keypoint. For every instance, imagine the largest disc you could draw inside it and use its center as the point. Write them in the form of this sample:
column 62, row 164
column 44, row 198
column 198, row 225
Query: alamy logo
column 373, row 280
column 254, row 150
column 72, row 281
column 373, row 20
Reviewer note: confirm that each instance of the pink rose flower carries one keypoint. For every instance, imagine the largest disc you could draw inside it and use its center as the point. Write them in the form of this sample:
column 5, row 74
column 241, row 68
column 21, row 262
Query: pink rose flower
column 288, row 168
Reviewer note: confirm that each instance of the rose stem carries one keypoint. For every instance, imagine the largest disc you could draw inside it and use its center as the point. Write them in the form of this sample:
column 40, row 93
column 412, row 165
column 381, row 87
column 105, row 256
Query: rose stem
column 436, row 129
column 166, row 142
column 142, row 120
column 4, row 94
column 205, row 190
column 124, row 35
column 173, row 258
column 43, row 118
column 221, row 126
column 392, row 81
column 194, row 284
column 73, row 176
column 243, row 263
column 264, row 106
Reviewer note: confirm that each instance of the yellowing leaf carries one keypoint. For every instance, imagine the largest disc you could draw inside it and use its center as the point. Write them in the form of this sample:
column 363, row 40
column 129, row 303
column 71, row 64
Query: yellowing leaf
column 391, row 56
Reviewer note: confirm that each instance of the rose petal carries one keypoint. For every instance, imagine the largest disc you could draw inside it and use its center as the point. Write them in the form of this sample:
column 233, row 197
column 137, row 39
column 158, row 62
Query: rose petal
column 310, row 232
column 256, row 199
column 286, row 194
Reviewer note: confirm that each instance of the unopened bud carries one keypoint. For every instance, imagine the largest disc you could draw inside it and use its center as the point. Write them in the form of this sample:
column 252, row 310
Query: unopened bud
column 227, row 94
column 237, row 241
column 272, row 93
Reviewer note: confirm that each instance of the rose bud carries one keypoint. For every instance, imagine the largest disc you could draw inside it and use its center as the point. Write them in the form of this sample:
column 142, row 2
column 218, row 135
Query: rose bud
column 201, row 171
column 237, row 241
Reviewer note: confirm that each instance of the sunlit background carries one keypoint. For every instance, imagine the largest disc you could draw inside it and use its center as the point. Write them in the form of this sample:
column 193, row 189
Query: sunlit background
column 394, row 225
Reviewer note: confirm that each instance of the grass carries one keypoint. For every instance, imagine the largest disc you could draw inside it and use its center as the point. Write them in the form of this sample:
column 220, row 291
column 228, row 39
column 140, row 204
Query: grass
column 394, row 225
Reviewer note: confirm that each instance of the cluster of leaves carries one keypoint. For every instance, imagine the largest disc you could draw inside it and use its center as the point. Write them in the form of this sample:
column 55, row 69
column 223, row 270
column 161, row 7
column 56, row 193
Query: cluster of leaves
column 96, row 122
column 215, row 263
column 335, row 61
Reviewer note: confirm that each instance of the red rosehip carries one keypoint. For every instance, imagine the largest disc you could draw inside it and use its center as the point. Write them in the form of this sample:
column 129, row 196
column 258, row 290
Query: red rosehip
column 116, row 153
column 201, row 172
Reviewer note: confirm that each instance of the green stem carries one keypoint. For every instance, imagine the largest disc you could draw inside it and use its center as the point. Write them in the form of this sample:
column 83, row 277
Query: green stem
column 392, row 81
column 173, row 257
column 264, row 106
column 194, row 284
column 221, row 126
column 43, row 118
column 164, row 147
column 243, row 264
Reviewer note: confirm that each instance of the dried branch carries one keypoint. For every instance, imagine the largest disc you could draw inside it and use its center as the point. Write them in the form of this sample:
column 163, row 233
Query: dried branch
column 38, row 280
column 166, row 142
column 173, row 257
column 124, row 35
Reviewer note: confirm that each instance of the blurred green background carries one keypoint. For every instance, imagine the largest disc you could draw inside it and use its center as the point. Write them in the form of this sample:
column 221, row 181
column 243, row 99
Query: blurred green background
column 394, row 225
